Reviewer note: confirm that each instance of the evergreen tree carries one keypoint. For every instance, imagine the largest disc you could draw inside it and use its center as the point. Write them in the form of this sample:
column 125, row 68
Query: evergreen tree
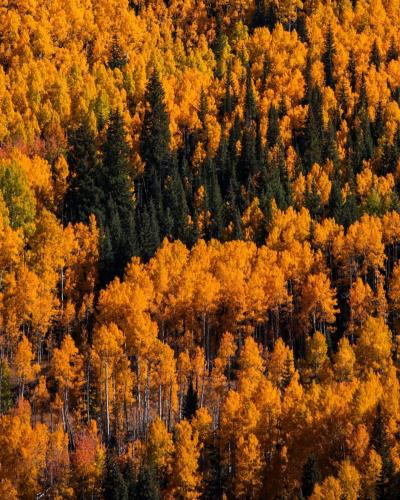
column 191, row 402
column 118, row 222
column 155, row 137
column 313, row 138
column 381, row 445
column 273, row 127
column 149, row 232
column 265, row 72
column 335, row 201
column 327, row 58
column 250, row 106
column 5, row 387
column 114, row 487
column 214, row 202
column 330, row 146
column 83, row 196
column 260, row 14
column 220, row 46
column 378, row 126
column 227, row 105
column 352, row 69
column 175, row 204
column 203, row 108
column 313, row 202
column 118, row 58
column 375, row 57
column 147, row 487
column 310, row 477
column 393, row 52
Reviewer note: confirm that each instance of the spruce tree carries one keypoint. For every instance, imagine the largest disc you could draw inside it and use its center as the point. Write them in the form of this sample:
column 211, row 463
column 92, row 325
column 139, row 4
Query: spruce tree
column 227, row 104
column 265, row 72
column 155, row 136
column 273, row 127
column 393, row 52
column 83, row 196
column 352, row 69
column 114, row 487
column 191, row 402
column 313, row 137
column 147, row 487
column 379, row 441
column 118, row 224
column 118, row 58
column 310, row 477
column 175, row 204
column 327, row 58
column 375, row 57
column 149, row 232
column 250, row 106
column 215, row 203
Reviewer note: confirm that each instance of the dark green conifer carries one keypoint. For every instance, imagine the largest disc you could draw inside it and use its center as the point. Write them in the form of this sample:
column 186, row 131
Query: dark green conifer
column 155, row 136
column 273, row 127
column 375, row 57
column 118, row 222
column 83, row 196
column 191, row 402
column 114, row 487
column 328, row 57
column 352, row 69
column 118, row 58
column 311, row 476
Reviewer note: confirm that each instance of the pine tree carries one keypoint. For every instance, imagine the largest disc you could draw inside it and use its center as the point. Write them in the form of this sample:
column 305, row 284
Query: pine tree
column 149, row 232
column 175, row 204
column 118, row 223
column 227, row 105
column 83, row 196
column 273, row 127
column 118, row 58
column 335, row 201
column 378, row 126
column 250, row 106
column 352, row 69
column 330, row 146
column 313, row 202
column 393, row 52
column 381, row 445
column 146, row 487
column 265, row 72
column 5, row 388
column 114, row 487
column 310, row 477
column 220, row 46
column 191, row 402
column 375, row 57
column 214, row 200
column 203, row 108
column 328, row 57
column 313, row 139
column 155, row 136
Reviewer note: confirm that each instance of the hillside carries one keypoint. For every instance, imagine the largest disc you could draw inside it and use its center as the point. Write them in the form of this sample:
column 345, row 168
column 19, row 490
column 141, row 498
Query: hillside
column 199, row 249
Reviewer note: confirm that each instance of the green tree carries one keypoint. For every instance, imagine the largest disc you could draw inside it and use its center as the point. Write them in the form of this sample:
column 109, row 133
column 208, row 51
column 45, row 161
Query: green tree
column 114, row 487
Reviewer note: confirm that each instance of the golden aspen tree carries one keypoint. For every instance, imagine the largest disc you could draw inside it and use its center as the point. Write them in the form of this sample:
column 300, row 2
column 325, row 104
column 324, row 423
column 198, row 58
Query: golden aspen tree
column 67, row 371
column 24, row 369
column 108, row 344
column 160, row 447
column 185, row 475
column 319, row 302
column 248, row 468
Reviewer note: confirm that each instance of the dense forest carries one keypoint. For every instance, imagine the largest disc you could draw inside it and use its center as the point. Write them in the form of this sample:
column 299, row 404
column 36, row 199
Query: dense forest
column 199, row 249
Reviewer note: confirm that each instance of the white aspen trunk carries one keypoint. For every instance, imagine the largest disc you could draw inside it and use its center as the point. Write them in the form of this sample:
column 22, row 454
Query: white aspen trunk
column 107, row 405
